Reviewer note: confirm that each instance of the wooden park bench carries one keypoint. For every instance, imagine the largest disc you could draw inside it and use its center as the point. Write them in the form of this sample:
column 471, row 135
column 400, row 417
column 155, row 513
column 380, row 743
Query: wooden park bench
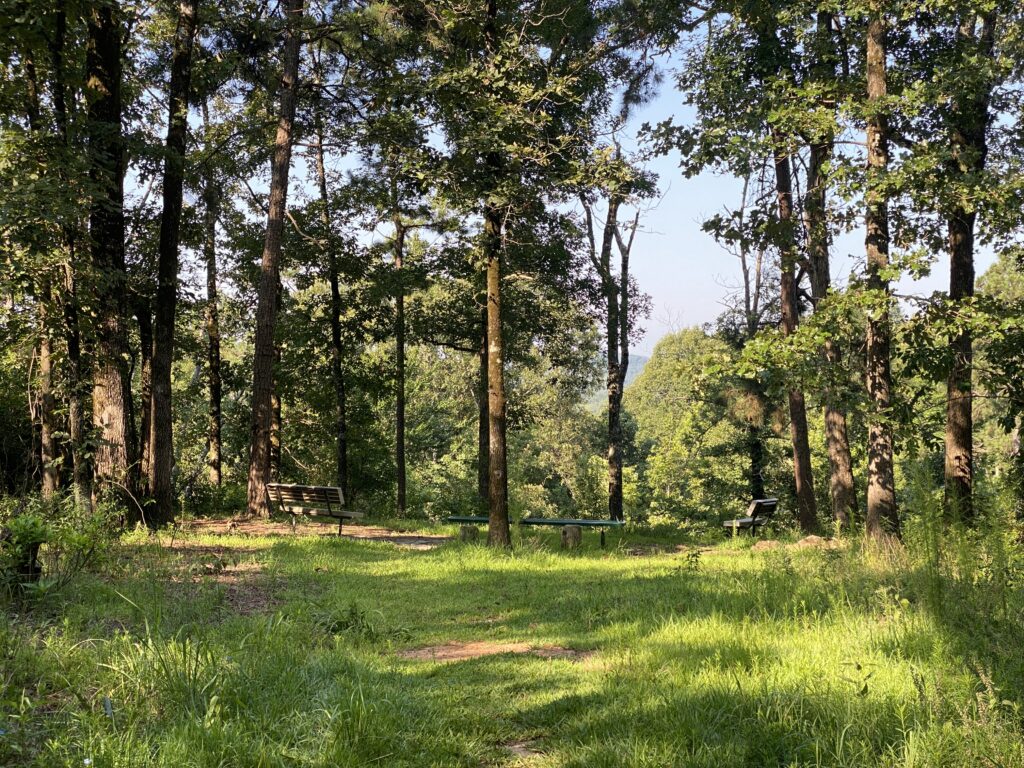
column 311, row 500
column 759, row 513
column 553, row 521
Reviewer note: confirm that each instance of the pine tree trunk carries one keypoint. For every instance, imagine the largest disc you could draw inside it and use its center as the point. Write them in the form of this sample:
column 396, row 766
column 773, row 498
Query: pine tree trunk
column 111, row 398
column 161, row 449
column 498, row 533
column 400, row 370
column 263, row 362
column 80, row 471
column 483, row 426
column 882, row 518
column 211, row 212
column 145, row 320
column 807, row 513
column 69, row 301
column 969, row 118
column 47, row 415
column 334, row 279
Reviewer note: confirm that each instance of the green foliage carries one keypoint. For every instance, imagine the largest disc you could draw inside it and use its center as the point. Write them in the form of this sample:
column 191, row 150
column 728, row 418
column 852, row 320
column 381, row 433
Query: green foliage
column 57, row 539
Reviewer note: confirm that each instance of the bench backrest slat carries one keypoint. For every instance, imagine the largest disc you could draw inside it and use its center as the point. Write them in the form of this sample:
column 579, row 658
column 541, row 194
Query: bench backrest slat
column 287, row 496
column 762, row 509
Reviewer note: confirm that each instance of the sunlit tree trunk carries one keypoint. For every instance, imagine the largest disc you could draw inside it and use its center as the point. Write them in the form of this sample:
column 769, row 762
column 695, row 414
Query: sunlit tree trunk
column 399, row 255
column 882, row 516
column 968, row 118
column 498, row 533
column 807, row 513
column 263, row 360
column 161, row 449
column 483, row 426
column 111, row 397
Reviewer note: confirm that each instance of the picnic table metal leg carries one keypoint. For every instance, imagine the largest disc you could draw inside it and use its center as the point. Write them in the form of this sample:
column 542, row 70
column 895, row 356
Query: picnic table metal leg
column 602, row 538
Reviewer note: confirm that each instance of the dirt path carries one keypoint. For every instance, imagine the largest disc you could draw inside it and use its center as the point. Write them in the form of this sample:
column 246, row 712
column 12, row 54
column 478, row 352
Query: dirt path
column 406, row 539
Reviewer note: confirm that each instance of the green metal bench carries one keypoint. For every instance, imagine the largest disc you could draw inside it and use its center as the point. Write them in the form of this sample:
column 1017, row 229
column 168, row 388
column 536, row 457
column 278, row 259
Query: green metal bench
column 560, row 522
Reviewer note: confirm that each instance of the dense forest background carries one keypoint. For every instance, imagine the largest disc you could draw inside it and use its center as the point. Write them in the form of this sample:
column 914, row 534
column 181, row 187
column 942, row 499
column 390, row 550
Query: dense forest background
column 386, row 246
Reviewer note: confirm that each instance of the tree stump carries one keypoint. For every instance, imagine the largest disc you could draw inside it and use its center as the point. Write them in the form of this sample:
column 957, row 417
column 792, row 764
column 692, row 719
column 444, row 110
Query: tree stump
column 572, row 537
column 469, row 533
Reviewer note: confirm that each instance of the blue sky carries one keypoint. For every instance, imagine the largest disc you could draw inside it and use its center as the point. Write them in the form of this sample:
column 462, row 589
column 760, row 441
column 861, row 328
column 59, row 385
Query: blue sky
column 684, row 271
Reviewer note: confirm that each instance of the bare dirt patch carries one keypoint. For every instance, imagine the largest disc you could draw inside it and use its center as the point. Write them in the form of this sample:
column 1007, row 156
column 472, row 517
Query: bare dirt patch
column 458, row 651
column 524, row 749
column 407, row 539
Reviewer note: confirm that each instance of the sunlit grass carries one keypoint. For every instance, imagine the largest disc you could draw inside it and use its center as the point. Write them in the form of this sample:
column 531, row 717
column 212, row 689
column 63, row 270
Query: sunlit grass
column 234, row 651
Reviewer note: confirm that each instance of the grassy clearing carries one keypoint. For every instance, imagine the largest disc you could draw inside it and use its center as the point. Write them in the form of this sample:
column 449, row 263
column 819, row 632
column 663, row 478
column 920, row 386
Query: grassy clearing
column 281, row 651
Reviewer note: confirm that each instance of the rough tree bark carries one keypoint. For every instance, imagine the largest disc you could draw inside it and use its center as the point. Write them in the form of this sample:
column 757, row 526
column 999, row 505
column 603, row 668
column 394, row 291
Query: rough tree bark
column 161, row 449
column 968, row 118
column 882, row 518
column 399, row 255
column 483, row 441
column 68, row 299
column 841, row 486
column 807, row 513
column 498, row 533
column 144, row 317
column 111, row 398
column 263, row 362
column 49, row 466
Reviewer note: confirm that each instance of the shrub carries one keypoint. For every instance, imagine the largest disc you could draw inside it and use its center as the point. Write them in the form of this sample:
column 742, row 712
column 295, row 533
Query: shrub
column 46, row 543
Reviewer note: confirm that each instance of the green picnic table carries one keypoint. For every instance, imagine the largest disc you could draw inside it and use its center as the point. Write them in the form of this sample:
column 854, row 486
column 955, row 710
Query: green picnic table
column 559, row 522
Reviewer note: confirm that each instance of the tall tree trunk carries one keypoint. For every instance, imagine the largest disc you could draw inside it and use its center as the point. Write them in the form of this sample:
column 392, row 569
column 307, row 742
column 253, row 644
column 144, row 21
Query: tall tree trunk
column 144, row 316
column 274, row 455
column 49, row 466
column 968, row 120
column 334, row 279
column 112, row 408
column 807, row 513
column 483, row 441
column 400, row 368
column 882, row 518
column 613, row 380
column 80, row 470
column 263, row 362
column 211, row 212
column 498, row 533
column 69, row 301
column 47, row 411
column 842, row 490
column 841, row 486
column 161, row 450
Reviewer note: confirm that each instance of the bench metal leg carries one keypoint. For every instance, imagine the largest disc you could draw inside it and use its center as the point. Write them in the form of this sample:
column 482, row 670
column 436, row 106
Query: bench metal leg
column 340, row 520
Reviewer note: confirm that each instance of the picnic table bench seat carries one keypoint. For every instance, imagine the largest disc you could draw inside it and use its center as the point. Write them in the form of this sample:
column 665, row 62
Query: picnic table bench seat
column 311, row 500
column 759, row 513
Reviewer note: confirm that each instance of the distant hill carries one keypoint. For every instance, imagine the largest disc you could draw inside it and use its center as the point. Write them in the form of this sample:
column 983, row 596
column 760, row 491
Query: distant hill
column 598, row 399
